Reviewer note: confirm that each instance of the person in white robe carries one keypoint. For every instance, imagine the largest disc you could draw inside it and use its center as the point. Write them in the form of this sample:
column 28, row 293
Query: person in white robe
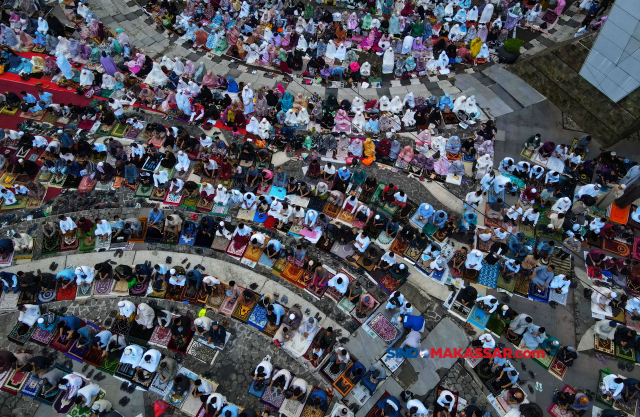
column 132, row 355
column 161, row 179
column 409, row 118
column 264, row 129
column 178, row 66
column 70, row 383
column 357, row 105
column 150, row 360
column 126, row 309
column 612, row 386
column 341, row 52
column 247, row 99
column 86, row 78
column 407, row 44
column 253, row 126
column 487, row 13
column 520, row 324
column 303, row 117
column 183, row 162
column 340, row 282
column 155, row 78
column 67, row 225
column 359, row 121
column 388, row 61
column 291, row 118
column 396, row 105
column 534, row 336
column 222, row 196
column 9, row 197
column 472, row 15
column 103, row 229
column 29, row 314
column 409, row 100
column 84, row 275
column 474, row 260
column 560, row 284
column 309, row 328
column 145, row 315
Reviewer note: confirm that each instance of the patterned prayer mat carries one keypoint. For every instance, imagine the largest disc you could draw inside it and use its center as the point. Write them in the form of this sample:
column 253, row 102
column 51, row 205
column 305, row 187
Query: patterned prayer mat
column 599, row 395
column 60, row 345
column 215, row 301
column 478, row 317
column 48, row 398
column 471, row 275
column 344, row 384
column 513, row 338
column 110, row 363
column 235, row 250
column 618, row 248
column 332, row 370
column 361, row 318
column 15, row 382
column 158, row 194
column 120, row 326
column 84, row 291
column 522, row 286
column 143, row 191
column 243, row 309
column 508, row 286
column 120, row 289
column 220, row 244
column 325, row 244
column 383, row 328
column 293, row 274
column 488, row 276
column 331, row 210
column 273, row 397
column 41, row 336
column 21, row 333
column 626, row 354
column 229, row 305
column 209, row 206
column 159, row 387
column 603, row 346
column 124, row 371
column 536, row 295
column 270, row 329
column 139, row 289
column 399, row 247
column 143, row 378
column 64, row 247
column 202, row 352
column 557, row 368
column 94, row 357
column 255, row 391
column 293, row 408
column 389, row 283
column 258, row 318
column 495, row 325
column 404, row 215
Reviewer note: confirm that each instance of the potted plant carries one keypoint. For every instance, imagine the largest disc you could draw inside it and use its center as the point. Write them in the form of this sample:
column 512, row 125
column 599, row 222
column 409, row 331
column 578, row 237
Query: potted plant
column 510, row 50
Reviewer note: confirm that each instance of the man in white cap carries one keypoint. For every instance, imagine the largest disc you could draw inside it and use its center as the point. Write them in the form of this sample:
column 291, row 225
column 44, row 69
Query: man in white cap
column 101, row 407
column 562, row 205
column 224, row 230
column 210, row 284
column 126, row 310
column 202, row 325
column 84, row 275
column 145, row 315
column 39, row 142
column 474, row 260
column 183, row 162
column 589, row 189
column 208, row 192
column 177, row 280
column 29, row 314
column 222, row 196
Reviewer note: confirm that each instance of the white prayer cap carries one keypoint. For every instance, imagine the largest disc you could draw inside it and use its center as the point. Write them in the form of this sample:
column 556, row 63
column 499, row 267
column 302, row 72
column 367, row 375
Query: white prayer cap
column 623, row 186
column 100, row 164
column 221, row 223
column 128, row 351
column 549, row 226
column 249, row 140
column 95, row 407
column 41, row 320
column 613, row 154
column 21, row 160
column 292, row 316
column 121, row 304
column 198, row 321
column 60, row 131
column 402, row 266
column 614, row 294
column 236, row 192
column 220, row 186
column 180, row 152
column 20, row 133
column 555, row 343
column 533, row 190
column 377, row 217
column 505, row 307
column 172, row 271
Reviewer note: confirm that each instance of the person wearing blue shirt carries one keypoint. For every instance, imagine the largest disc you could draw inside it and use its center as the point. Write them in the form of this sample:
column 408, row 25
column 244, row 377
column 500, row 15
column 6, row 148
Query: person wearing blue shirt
column 275, row 313
column 9, row 281
column 47, row 98
column 194, row 277
column 497, row 362
column 86, row 336
column 506, row 379
column 318, row 398
column 68, row 325
column 412, row 322
column 156, row 223
column 28, row 98
column 356, row 372
column 389, row 406
column 102, row 339
column 545, row 250
column 229, row 410
column 344, row 173
column 66, row 277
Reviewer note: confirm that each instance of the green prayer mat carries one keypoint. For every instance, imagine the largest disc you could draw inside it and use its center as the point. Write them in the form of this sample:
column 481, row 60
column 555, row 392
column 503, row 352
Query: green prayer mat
column 85, row 247
column 510, row 286
column 495, row 325
column 119, row 130
column 144, row 191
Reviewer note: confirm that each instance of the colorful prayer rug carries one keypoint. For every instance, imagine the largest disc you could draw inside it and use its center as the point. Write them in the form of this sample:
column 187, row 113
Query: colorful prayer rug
column 228, row 306
column 120, row 289
column 383, row 328
column 64, row 247
column 84, row 291
column 603, row 346
column 536, row 295
column 139, row 289
column 293, row 408
column 619, row 215
column 270, row 329
column 258, row 318
column 557, row 411
column 513, row 338
column 478, row 317
column 236, row 250
column 508, row 286
column 21, row 333
column 389, row 283
column 293, row 274
column 471, row 275
column 110, row 362
column 557, row 368
column 331, row 210
column 94, row 357
column 160, row 388
column 120, row 326
column 522, row 286
column 618, row 248
column 158, row 194
column 215, row 301
column 398, row 247
column 243, row 309
column 15, row 382
column 209, row 206
column 626, row 354
column 144, row 191
column 273, row 397
column 257, row 391
column 42, row 337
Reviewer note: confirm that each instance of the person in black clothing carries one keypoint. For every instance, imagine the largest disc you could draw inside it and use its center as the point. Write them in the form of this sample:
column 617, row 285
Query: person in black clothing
column 104, row 270
column 47, row 281
column 180, row 329
column 216, row 335
column 180, row 385
column 325, row 340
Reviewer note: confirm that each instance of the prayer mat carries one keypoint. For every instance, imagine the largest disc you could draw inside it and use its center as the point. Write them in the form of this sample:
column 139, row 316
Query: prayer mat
column 158, row 194
column 41, row 336
column 103, row 130
column 619, row 215
column 84, row 291
column 557, row 368
column 636, row 248
column 629, row 408
column 369, row 264
column 546, row 361
column 383, row 328
column 48, row 398
column 632, row 222
column 325, row 243
column 253, row 389
column 626, row 354
column 21, row 202
column 37, row 116
column 630, row 322
column 331, row 210
column 389, row 209
column 217, row 210
column 143, row 191
column 139, row 238
column 71, row 182
column 87, row 184
column 557, row 411
column 375, row 411
column 472, row 276
column 50, row 245
column 44, row 177
column 61, row 345
column 15, row 382
column 361, row 318
column 172, row 199
column 120, row 289
column 483, row 246
column 64, row 247
column 527, row 153
column 119, row 130
column 85, row 245
column 160, row 337
column 333, row 293
column 344, row 384
column 558, row 298
column 385, row 241
column 263, row 189
column 343, row 251
column 273, row 397
column 536, row 295
column 139, row 289
column 522, row 286
column 507, row 286
column 120, row 326
column 243, row 310
column 258, row 318
column 603, row 346
column 375, row 198
column 599, row 395
column 160, row 388
column 293, row 274
column 236, row 251
column 618, row 248
column 528, row 231
column 94, row 357
column 405, row 214
column 76, row 352
column 399, row 247
column 65, row 294
column 389, row 284
column 346, row 305
column 143, row 380
column 246, row 215
column 295, row 230
column 190, row 202
column 617, row 314
column 7, row 180
column 260, row 217
column 478, row 317
column 215, row 301
column 124, row 371
column 329, row 369
column 23, row 338
column 316, row 204
column 271, row 329
column 229, row 305
column 278, row 193
column 63, row 404
column 495, row 325
column 513, row 338
column 345, row 216
column 440, row 236
column 293, row 408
